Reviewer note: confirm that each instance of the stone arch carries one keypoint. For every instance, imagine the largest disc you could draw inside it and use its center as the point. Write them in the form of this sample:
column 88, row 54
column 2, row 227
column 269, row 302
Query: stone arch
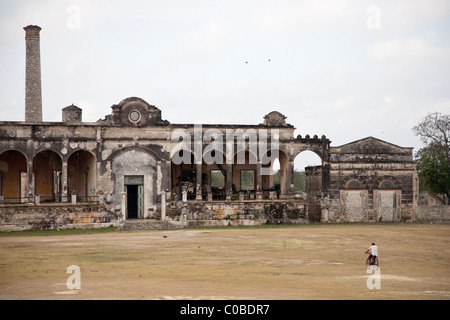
column 150, row 152
column 82, row 175
column 310, row 162
column 282, row 182
column 13, row 176
column 314, row 150
column 47, row 170
column 15, row 150
column 183, row 173
column 39, row 148
column 320, row 146
column 353, row 184
column 68, row 155
column 387, row 184
column 310, row 158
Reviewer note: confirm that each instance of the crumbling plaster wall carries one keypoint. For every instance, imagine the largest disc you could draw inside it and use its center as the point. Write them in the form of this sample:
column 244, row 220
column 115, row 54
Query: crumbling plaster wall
column 135, row 162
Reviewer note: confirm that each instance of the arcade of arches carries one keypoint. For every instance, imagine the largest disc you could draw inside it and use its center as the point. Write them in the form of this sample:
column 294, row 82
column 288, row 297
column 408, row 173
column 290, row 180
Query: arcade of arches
column 132, row 157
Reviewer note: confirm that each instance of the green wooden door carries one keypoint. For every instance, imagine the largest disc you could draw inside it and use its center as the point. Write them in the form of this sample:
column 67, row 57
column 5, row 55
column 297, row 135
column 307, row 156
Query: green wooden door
column 126, row 201
column 140, row 202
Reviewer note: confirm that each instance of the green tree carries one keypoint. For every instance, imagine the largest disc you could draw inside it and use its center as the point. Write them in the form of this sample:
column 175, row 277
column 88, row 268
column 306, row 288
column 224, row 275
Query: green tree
column 433, row 160
column 299, row 179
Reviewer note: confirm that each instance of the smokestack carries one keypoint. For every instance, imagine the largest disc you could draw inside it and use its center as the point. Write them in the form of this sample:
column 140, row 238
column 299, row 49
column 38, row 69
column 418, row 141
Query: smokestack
column 33, row 93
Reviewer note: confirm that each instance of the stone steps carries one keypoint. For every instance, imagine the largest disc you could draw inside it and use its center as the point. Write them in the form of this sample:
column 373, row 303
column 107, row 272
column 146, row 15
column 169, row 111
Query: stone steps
column 145, row 224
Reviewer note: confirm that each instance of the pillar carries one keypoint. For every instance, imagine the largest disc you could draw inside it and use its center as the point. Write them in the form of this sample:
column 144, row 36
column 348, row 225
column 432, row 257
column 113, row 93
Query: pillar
column 229, row 181
column 33, row 91
column 30, row 180
column 290, row 177
column 198, row 195
column 258, row 181
column 64, row 195
column 163, row 206
column 124, row 205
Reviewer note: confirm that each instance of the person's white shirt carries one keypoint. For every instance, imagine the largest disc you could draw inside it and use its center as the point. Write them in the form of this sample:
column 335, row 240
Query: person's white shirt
column 374, row 250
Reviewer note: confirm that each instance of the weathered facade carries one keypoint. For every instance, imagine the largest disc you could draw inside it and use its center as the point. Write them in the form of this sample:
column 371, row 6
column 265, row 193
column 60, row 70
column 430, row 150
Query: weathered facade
column 133, row 163
column 371, row 179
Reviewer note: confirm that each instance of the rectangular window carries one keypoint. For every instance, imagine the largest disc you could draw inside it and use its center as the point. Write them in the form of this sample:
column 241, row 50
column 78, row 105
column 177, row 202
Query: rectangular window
column 247, row 180
column 217, row 179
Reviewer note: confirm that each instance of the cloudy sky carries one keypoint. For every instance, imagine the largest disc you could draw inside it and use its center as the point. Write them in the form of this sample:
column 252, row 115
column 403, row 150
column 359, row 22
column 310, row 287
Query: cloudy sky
column 348, row 69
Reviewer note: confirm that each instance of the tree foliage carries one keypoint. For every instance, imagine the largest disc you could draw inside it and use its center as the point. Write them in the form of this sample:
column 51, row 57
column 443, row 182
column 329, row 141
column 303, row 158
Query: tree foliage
column 433, row 160
column 434, row 166
column 299, row 179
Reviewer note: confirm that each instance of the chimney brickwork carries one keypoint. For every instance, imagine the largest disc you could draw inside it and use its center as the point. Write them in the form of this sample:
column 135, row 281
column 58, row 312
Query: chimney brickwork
column 33, row 91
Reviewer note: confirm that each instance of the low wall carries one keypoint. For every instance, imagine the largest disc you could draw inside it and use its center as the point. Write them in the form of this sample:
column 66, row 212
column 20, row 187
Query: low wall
column 21, row 217
column 439, row 213
column 54, row 216
column 224, row 213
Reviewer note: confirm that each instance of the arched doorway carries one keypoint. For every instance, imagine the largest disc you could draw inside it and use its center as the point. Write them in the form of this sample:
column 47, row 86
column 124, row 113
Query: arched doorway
column 47, row 169
column 184, row 175
column 277, row 163
column 82, row 175
column 308, row 172
column 135, row 173
column 13, row 177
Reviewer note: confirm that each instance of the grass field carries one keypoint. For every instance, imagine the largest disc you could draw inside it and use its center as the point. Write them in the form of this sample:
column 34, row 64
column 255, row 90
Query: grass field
column 283, row 262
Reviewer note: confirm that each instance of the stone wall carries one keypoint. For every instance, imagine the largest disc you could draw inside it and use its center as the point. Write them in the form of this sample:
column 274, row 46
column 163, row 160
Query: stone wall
column 242, row 213
column 372, row 180
column 54, row 216
column 437, row 213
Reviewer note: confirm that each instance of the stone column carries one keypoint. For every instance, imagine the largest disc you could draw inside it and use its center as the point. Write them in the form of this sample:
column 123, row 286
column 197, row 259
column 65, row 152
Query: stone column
column 198, row 172
column 33, row 91
column 124, row 205
column 166, row 175
column 229, row 181
column 163, row 206
column 290, row 178
column 258, row 181
column 64, row 195
column 30, row 180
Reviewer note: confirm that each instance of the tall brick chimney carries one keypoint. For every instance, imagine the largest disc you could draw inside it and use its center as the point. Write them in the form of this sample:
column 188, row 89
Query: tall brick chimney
column 33, row 93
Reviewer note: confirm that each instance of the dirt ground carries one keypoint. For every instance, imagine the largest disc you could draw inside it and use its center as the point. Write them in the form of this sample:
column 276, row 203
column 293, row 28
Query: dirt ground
column 279, row 263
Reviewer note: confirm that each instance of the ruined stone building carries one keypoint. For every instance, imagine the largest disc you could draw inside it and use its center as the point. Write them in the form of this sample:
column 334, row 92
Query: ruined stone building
column 133, row 164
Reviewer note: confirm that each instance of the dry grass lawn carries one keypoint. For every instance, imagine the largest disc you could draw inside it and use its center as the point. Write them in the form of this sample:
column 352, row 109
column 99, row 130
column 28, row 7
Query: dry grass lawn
column 285, row 262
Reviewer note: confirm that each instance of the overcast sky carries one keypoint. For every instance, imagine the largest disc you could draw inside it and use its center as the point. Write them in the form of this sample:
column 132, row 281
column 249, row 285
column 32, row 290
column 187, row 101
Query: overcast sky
column 347, row 69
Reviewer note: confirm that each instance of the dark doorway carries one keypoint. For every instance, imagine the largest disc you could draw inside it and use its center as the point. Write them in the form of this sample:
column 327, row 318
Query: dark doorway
column 132, row 201
column 134, row 188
